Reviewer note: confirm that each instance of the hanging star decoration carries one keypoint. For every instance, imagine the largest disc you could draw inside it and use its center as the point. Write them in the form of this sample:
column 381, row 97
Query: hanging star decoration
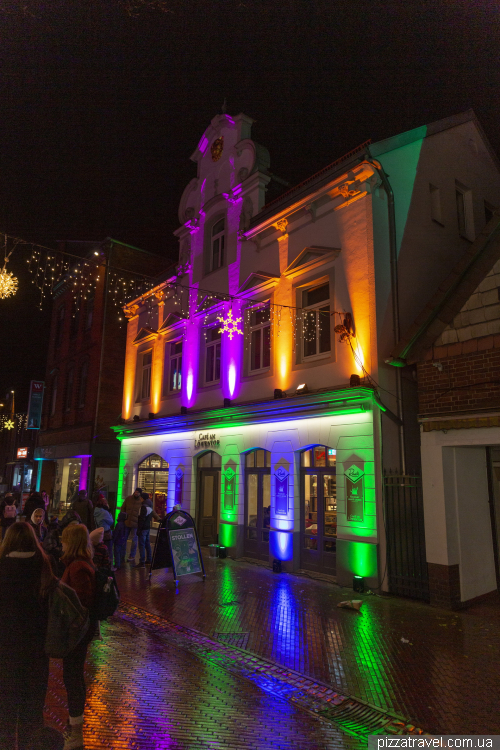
column 9, row 424
column 8, row 282
column 229, row 325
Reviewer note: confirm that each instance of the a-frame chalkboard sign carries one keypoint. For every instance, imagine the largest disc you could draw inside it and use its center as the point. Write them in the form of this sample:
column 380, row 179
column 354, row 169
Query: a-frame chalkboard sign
column 177, row 546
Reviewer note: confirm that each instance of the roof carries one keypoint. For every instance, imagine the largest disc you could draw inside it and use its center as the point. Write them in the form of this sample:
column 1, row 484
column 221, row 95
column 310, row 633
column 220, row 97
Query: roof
column 451, row 296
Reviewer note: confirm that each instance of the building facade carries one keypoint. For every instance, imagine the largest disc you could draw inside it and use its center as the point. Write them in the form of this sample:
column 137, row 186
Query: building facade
column 259, row 384
column 76, row 447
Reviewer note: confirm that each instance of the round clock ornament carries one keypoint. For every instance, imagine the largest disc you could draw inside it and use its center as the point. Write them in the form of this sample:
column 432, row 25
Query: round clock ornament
column 217, row 148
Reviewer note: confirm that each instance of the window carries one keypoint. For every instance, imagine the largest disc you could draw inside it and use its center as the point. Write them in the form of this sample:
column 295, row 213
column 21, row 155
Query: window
column 147, row 359
column 435, row 204
column 68, row 401
column 217, row 245
column 82, row 385
column 60, row 326
column 260, row 338
column 53, row 400
column 173, row 366
column 465, row 219
column 316, row 320
column 212, row 355
column 89, row 309
column 75, row 316
column 460, row 199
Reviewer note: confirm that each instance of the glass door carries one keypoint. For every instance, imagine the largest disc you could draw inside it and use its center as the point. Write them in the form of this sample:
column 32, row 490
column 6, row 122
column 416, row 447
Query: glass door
column 258, row 514
column 152, row 478
column 319, row 510
column 208, row 512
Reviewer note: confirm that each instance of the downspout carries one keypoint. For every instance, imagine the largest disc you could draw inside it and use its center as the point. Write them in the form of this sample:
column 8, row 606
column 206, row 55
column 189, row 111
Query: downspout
column 393, row 254
column 101, row 361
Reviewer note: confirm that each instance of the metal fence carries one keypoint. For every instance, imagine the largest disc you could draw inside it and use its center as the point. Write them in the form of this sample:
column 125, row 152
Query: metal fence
column 404, row 520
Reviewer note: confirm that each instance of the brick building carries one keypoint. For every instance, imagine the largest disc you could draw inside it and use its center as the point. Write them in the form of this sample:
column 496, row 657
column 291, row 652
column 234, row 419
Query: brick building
column 85, row 372
column 455, row 344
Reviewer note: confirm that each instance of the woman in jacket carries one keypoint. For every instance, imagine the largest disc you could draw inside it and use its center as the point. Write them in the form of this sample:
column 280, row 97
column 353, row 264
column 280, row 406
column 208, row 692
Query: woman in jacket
column 80, row 575
column 25, row 580
column 32, row 503
column 104, row 519
column 37, row 523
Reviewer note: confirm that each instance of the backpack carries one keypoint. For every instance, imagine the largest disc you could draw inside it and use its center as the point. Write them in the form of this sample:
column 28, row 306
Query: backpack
column 107, row 594
column 68, row 621
column 10, row 511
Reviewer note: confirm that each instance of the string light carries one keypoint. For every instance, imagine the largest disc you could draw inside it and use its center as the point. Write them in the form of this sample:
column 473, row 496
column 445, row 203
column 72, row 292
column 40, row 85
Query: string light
column 229, row 325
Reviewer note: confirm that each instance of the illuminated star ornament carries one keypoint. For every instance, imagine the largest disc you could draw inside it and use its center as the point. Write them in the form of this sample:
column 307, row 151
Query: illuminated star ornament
column 230, row 325
column 8, row 284
column 9, row 424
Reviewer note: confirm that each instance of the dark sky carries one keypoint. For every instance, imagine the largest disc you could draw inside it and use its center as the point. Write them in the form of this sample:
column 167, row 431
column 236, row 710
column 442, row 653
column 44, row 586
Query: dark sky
column 102, row 102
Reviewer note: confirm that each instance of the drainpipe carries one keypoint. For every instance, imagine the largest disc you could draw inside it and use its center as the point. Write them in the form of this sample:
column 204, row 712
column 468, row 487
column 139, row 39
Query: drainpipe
column 393, row 254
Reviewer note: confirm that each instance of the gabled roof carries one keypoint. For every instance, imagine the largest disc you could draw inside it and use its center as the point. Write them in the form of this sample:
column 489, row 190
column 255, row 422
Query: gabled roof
column 144, row 335
column 451, row 296
column 171, row 319
column 310, row 257
column 210, row 300
column 258, row 281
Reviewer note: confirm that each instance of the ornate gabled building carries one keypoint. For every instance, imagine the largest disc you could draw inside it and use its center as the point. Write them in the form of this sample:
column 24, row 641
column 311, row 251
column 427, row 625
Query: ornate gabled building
column 259, row 387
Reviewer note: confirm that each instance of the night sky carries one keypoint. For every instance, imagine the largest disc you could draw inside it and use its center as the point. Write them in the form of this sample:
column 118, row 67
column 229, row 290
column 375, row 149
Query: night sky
column 102, row 103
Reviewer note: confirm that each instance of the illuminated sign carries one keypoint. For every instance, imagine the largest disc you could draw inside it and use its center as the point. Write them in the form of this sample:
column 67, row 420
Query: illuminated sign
column 206, row 440
column 22, row 453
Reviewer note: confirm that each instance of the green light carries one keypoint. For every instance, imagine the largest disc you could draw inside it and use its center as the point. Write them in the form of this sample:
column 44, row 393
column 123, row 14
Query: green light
column 362, row 559
column 227, row 535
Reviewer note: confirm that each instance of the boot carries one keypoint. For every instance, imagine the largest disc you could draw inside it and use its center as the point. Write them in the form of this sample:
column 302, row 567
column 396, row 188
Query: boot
column 73, row 737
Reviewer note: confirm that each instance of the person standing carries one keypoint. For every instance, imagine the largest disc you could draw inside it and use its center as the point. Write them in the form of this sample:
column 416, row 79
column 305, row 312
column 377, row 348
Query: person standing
column 8, row 513
column 25, row 579
column 132, row 507
column 103, row 517
column 80, row 575
column 82, row 505
column 33, row 502
column 101, row 554
column 36, row 521
column 120, row 534
column 146, row 515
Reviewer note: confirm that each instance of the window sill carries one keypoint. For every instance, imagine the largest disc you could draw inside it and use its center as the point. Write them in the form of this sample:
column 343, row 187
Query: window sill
column 316, row 357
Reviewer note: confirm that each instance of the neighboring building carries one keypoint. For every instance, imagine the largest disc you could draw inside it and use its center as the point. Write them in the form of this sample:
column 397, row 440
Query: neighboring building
column 320, row 281
column 456, row 343
column 17, row 445
column 83, row 389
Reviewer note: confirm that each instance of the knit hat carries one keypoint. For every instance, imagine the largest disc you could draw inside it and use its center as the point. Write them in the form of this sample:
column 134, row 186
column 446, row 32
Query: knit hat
column 144, row 495
column 97, row 536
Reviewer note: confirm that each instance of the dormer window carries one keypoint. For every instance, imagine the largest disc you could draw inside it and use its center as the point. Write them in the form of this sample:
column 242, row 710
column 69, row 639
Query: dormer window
column 217, row 245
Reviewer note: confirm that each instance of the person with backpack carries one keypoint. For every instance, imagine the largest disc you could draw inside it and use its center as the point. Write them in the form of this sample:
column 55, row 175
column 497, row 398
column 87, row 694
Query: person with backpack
column 26, row 579
column 104, row 519
column 101, row 554
column 52, row 546
column 146, row 514
column 80, row 574
column 120, row 535
column 8, row 513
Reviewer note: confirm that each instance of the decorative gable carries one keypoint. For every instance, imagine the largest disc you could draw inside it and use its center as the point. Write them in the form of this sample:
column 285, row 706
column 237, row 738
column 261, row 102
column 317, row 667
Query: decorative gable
column 257, row 282
column 145, row 334
column 210, row 300
column 171, row 320
column 309, row 258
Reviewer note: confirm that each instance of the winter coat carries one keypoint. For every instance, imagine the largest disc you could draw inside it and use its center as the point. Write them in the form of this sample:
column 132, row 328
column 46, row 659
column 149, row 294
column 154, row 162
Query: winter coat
column 132, row 507
column 85, row 510
column 102, row 517
column 80, row 575
column 40, row 530
column 23, row 616
column 33, row 503
column 101, row 556
column 146, row 515
column 120, row 534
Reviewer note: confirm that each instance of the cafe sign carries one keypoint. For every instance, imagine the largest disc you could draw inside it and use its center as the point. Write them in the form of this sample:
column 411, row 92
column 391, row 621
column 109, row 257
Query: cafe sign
column 206, row 440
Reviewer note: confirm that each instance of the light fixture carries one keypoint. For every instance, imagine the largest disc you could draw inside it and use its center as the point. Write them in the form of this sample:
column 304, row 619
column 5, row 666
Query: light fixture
column 302, row 388
column 358, row 584
column 184, row 410
column 227, row 402
column 95, row 252
column 278, row 393
column 354, row 381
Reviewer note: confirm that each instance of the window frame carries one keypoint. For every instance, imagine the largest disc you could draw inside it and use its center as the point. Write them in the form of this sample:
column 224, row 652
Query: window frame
column 89, row 310
column 316, row 307
column 142, row 369
column 467, row 231
column 83, row 379
column 212, row 344
column 259, row 327
column 168, row 358
column 53, row 394
column 209, row 243
column 70, row 384
column 60, row 318
column 74, row 326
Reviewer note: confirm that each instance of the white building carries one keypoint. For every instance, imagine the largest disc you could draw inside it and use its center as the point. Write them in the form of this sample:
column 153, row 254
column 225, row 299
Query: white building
column 304, row 296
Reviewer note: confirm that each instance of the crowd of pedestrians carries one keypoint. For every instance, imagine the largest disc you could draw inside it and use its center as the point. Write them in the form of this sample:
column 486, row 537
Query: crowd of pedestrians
column 37, row 557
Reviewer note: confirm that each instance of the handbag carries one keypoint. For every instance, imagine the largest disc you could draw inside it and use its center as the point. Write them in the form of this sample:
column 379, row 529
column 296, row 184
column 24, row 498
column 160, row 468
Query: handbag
column 68, row 621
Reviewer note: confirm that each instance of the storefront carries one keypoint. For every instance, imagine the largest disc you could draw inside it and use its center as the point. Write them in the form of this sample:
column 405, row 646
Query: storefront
column 296, row 480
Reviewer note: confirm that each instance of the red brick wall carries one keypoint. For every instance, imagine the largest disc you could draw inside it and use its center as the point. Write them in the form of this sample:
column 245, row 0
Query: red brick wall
column 469, row 380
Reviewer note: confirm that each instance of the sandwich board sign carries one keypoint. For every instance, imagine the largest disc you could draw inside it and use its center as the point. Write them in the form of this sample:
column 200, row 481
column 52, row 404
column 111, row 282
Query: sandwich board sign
column 177, row 546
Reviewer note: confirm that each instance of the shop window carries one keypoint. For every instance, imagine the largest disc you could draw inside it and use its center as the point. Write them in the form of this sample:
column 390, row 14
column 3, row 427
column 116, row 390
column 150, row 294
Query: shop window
column 316, row 321
column 173, row 367
column 212, row 355
column 147, row 360
column 60, row 326
column 70, row 377
column 152, row 477
column 217, row 246
column 260, row 338
column 82, row 385
column 258, row 459
column 318, row 457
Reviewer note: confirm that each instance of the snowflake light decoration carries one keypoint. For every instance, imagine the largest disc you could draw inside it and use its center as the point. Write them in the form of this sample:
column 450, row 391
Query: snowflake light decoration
column 230, row 325
column 8, row 284
column 9, row 424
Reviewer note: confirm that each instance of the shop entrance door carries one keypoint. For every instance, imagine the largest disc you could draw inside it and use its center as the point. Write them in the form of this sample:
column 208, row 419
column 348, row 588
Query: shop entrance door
column 319, row 511
column 257, row 504
column 207, row 511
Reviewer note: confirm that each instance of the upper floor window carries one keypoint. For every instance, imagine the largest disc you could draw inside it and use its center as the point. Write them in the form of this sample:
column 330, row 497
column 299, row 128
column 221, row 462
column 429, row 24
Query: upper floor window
column 75, row 316
column 212, row 355
column 465, row 217
column 53, row 399
column 89, row 309
column 173, row 366
column 60, row 326
column 70, row 377
column 147, row 360
column 82, row 386
column 260, row 338
column 316, row 325
column 217, row 242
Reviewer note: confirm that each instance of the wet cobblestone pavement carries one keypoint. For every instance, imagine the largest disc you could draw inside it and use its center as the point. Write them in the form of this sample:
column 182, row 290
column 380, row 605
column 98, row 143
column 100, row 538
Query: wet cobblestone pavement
column 437, row 669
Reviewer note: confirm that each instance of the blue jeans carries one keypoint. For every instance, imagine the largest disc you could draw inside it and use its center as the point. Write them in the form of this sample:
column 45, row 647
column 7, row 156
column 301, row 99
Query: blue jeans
column 120, row 552
column 133, row 546
column 144, row 545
